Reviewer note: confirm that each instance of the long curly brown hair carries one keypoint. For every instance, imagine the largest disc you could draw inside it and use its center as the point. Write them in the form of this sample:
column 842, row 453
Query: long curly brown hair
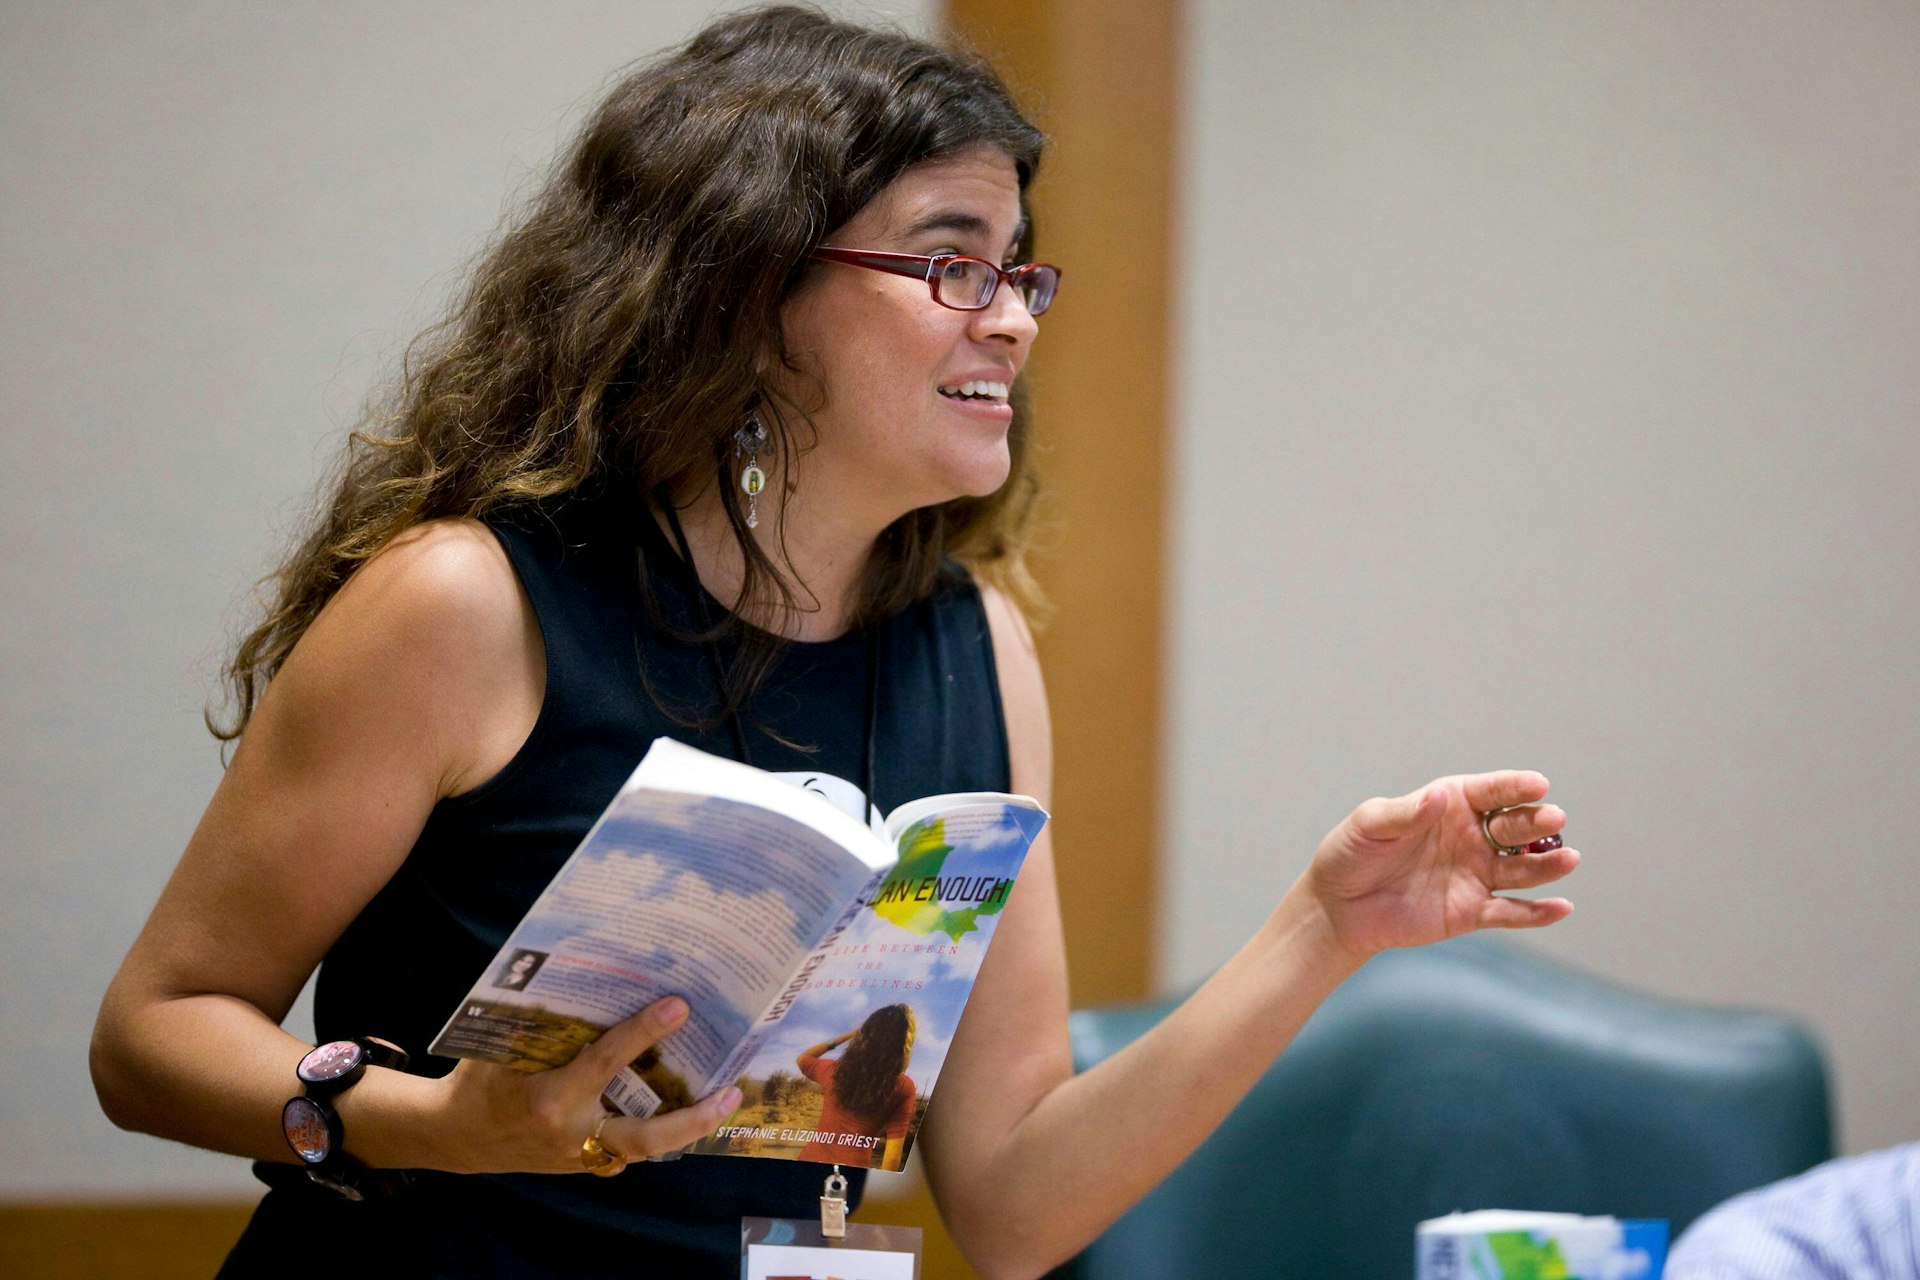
column 867, row 1080
column 607, row 345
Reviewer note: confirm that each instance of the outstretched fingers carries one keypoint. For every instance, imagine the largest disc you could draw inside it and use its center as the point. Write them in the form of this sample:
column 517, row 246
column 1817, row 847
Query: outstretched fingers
column 1521, row 792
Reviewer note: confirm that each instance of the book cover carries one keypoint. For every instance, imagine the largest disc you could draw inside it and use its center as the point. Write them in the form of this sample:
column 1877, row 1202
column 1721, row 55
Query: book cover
column 787, row 925
column 852, row 1052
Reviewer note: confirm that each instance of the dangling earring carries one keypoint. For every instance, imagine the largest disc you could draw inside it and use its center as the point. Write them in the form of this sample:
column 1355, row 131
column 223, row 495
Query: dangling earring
column 749, row 440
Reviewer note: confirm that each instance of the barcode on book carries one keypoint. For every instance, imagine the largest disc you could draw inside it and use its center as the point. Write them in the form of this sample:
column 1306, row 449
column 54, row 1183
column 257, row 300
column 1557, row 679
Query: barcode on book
column 630, row 1095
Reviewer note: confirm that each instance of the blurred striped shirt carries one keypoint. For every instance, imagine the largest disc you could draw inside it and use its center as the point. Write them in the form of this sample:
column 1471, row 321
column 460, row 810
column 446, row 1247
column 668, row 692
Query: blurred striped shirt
column 1854, row 1219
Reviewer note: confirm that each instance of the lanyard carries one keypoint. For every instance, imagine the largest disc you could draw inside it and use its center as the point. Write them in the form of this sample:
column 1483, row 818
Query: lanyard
column 698, row 594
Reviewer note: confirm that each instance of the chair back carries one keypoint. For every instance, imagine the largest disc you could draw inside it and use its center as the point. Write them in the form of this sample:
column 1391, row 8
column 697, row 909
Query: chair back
column 1472, row 1074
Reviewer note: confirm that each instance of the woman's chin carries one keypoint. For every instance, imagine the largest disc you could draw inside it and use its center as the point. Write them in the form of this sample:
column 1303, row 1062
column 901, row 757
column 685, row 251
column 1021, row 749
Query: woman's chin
column 981, row 474
column 974, row 473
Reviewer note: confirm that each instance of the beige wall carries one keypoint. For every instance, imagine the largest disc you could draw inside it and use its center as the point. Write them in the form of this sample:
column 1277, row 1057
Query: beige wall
column 219, row 222
column 1540, row 400
column 1547, row 397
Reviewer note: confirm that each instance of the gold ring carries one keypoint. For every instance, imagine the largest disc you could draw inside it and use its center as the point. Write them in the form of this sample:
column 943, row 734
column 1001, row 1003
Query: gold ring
column 599, row 1161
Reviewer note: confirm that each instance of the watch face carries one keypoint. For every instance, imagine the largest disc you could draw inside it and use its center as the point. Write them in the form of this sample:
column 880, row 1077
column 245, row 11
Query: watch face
column 330, row 1061
column 307, row 1130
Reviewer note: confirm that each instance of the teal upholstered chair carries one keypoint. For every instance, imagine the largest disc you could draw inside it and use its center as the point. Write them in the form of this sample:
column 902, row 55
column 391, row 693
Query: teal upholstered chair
column 1473, row 1074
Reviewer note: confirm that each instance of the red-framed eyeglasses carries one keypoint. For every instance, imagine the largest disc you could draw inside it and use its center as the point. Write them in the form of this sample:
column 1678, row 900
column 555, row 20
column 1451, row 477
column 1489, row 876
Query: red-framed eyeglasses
column 957, row 281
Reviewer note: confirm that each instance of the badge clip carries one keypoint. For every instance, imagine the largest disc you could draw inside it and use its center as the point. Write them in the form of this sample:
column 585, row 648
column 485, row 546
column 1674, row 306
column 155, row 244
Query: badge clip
column 833, row 1206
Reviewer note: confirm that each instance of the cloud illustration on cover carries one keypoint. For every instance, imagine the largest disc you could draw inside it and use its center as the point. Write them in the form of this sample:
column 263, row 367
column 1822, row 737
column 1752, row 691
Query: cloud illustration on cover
column 663, row 878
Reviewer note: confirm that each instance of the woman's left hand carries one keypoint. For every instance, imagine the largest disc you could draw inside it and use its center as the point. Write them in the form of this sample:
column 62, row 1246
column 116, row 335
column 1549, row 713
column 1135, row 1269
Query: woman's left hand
column 1417, row 868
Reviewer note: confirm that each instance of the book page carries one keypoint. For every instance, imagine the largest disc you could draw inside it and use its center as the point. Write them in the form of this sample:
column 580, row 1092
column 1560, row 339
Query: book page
column 916, row 945
column 896, row 823
column 699, row 896
column 828, row 804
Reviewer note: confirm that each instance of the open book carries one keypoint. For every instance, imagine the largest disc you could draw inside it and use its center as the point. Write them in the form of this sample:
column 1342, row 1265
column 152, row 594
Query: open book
column 825, row 960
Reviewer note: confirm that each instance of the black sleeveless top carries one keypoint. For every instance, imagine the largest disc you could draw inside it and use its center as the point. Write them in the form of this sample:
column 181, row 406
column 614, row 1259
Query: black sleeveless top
column 613, row 662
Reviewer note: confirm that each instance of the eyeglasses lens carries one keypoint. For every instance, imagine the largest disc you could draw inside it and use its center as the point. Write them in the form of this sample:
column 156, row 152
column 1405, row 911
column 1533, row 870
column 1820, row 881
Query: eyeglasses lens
column 969, row 285
column 1037, row 286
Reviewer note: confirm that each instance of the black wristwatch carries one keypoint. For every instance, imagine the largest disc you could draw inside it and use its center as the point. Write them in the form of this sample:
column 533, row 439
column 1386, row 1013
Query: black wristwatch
column 312, row 1127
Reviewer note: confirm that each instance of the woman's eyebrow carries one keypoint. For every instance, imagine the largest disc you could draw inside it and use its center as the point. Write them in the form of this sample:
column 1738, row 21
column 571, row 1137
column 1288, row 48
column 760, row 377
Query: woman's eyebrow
column 957, row 220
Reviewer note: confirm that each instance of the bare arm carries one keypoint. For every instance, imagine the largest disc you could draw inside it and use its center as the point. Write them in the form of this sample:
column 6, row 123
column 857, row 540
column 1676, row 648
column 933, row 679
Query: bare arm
column 812, row 1055
column 1019, row 1149
column 419, row 680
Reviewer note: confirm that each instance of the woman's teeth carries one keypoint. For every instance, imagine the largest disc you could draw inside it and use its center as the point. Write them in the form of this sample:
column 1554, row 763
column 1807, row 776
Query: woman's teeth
column 996, row 391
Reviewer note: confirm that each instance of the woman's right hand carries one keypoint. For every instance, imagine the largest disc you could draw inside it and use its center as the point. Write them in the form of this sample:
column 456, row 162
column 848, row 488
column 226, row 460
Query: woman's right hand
column 495, row 1119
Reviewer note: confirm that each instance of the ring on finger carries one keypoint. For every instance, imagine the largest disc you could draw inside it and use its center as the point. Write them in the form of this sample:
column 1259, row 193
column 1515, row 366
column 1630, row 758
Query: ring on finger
column 599, row 1161
column 1510, row 851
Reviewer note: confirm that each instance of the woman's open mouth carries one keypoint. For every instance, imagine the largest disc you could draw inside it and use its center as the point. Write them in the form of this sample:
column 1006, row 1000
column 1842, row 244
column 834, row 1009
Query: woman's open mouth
column 987, row 392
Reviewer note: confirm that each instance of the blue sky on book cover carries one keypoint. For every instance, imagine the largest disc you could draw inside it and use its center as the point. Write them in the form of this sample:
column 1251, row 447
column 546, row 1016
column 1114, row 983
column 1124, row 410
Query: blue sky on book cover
column 919, row 948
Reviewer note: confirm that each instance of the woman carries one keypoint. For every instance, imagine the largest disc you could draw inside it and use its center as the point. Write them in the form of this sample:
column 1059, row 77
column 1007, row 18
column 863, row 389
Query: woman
column 867, row 1093
column 689, row 458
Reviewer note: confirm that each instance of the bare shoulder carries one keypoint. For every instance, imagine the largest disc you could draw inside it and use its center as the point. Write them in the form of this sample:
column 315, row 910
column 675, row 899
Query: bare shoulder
column 446, row 571
column 1014, row 652
column 433, row 633
column 1023, row 693
column 422, row 669
column 1009, row 624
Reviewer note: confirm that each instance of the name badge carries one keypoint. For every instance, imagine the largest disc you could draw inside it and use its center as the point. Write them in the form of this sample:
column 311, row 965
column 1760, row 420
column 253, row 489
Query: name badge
column 830, row 1249
column 790, row 1249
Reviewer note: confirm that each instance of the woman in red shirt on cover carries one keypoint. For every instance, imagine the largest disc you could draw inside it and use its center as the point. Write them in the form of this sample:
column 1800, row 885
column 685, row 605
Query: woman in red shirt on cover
column 868, row 1093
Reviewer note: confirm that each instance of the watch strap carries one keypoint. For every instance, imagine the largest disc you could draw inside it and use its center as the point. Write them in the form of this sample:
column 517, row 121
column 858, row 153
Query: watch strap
column 313, row 1129
column 384, row 1053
